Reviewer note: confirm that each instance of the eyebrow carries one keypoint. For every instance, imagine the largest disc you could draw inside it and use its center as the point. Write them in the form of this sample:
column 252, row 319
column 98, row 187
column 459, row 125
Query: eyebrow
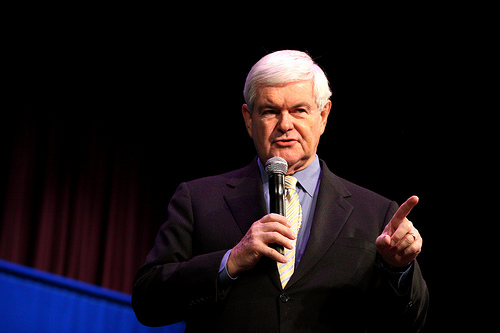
column 300, row 105
column 272, row 106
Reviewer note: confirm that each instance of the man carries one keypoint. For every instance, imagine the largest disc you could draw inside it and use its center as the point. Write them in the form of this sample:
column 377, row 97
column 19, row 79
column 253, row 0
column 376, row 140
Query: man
column 349, row 254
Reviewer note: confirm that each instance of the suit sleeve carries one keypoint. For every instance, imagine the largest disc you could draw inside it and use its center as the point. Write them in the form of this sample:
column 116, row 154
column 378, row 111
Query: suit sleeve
column 172, row 280
column 403, row 310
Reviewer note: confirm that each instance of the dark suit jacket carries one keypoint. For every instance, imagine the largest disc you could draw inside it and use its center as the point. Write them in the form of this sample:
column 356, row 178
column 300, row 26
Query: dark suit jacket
column 338, row 285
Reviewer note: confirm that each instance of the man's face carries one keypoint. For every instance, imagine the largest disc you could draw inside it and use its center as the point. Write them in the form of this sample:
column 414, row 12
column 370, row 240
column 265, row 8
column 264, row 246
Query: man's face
column 286, row 122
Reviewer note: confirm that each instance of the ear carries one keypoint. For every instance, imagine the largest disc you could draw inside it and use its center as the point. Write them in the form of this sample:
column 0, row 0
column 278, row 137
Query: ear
column 247, row 116
column 324, row 115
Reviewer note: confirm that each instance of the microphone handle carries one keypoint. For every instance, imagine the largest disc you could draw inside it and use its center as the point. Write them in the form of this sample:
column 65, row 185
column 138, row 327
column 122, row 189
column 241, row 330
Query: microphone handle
column 277, row 200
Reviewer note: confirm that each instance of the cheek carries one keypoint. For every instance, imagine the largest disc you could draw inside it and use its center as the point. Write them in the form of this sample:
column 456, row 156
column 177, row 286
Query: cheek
column 262, row 132
column 310, row 135
column 306, row 134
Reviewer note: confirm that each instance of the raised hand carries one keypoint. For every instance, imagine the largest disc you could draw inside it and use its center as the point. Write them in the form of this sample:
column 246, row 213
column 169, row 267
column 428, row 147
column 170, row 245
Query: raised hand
column 400, row 242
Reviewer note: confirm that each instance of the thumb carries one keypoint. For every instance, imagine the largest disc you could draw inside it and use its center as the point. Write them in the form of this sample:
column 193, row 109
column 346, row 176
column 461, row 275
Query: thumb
column 383, row 241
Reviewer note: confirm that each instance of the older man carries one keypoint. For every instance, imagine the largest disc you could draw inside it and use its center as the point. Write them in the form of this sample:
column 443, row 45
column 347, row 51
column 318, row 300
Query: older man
column 349, row 254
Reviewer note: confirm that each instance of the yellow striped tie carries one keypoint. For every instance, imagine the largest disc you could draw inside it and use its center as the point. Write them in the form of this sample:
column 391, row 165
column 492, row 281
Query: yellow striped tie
column 294, row 216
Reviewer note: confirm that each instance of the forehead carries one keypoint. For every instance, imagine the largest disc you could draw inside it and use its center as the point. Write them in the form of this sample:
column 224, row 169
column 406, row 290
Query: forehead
column 286, row 94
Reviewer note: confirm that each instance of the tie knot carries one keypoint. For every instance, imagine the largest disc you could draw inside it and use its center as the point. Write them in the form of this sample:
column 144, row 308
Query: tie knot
column 290, row 182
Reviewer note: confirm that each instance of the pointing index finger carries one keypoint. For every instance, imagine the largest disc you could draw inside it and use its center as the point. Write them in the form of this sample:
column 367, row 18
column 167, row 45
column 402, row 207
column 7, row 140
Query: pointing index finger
column 405, row 208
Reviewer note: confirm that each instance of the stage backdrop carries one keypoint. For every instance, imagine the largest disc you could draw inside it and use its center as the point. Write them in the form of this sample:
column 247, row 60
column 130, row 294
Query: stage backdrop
column 75, row 202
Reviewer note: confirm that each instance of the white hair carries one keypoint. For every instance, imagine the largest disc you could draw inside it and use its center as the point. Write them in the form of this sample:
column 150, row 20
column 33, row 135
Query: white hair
column 286, row 66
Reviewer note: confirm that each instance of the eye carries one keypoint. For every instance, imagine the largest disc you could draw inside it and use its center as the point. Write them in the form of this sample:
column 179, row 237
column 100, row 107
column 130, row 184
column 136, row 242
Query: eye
column 300, row 111
column 269, row 112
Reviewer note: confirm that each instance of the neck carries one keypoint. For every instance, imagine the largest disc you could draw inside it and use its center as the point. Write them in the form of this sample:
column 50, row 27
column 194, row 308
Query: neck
column 300, row 165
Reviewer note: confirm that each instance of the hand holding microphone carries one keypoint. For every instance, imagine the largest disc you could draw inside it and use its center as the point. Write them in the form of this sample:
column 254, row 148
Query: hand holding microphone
column 269, row 235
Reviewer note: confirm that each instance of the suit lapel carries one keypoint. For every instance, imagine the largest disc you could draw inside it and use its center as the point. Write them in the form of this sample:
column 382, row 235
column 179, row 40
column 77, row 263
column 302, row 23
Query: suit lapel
column 331, row 213
column 245, row 197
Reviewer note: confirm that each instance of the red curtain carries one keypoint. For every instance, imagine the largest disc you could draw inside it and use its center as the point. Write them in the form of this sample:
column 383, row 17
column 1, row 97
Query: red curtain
column 77, row 199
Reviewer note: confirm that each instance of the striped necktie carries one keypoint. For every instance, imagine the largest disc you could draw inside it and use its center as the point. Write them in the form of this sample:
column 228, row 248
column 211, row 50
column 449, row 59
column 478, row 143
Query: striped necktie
column 294, row 216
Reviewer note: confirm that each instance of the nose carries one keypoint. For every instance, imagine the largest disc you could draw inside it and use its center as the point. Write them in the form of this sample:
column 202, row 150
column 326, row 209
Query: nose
column 285, row 122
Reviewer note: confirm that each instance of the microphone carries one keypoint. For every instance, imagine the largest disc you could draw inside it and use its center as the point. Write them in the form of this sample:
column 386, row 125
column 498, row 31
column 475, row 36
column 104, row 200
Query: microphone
column 276, row 168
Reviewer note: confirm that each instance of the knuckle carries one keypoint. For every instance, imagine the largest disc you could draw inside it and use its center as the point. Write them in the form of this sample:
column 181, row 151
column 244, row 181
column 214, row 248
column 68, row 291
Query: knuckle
column 275, row 235
column 413, row 251
column 256, row 225
column 409, row 238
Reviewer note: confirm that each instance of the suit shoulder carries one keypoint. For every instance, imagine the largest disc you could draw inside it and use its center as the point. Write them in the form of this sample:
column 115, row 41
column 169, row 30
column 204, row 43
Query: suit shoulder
column 363, row 192
column 369, row 203
column 224, row 179
column 349, row 189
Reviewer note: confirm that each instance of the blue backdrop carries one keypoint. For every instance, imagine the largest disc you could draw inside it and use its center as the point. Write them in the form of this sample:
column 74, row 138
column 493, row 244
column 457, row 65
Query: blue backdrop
column 36, row 301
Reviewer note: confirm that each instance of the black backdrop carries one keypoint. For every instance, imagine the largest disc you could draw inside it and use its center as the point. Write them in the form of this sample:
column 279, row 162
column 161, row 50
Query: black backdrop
column 165, row 102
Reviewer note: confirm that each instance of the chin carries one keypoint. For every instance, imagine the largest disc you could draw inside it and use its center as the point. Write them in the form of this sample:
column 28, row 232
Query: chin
column 293, row 158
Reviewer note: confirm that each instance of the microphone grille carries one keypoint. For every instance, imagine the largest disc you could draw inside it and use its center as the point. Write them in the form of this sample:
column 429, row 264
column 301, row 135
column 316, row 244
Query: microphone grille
column 276, row 165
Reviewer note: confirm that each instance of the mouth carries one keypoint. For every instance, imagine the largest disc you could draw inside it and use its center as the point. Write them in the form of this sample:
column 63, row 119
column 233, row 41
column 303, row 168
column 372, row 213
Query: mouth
column 284, row 142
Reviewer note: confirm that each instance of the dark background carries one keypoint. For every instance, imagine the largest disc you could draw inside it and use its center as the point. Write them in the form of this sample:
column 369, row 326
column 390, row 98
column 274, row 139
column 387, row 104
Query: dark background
column 107, row 113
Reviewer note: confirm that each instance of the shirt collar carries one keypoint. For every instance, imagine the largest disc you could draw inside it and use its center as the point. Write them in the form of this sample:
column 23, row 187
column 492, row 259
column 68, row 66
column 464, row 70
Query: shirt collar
column 307, row 178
